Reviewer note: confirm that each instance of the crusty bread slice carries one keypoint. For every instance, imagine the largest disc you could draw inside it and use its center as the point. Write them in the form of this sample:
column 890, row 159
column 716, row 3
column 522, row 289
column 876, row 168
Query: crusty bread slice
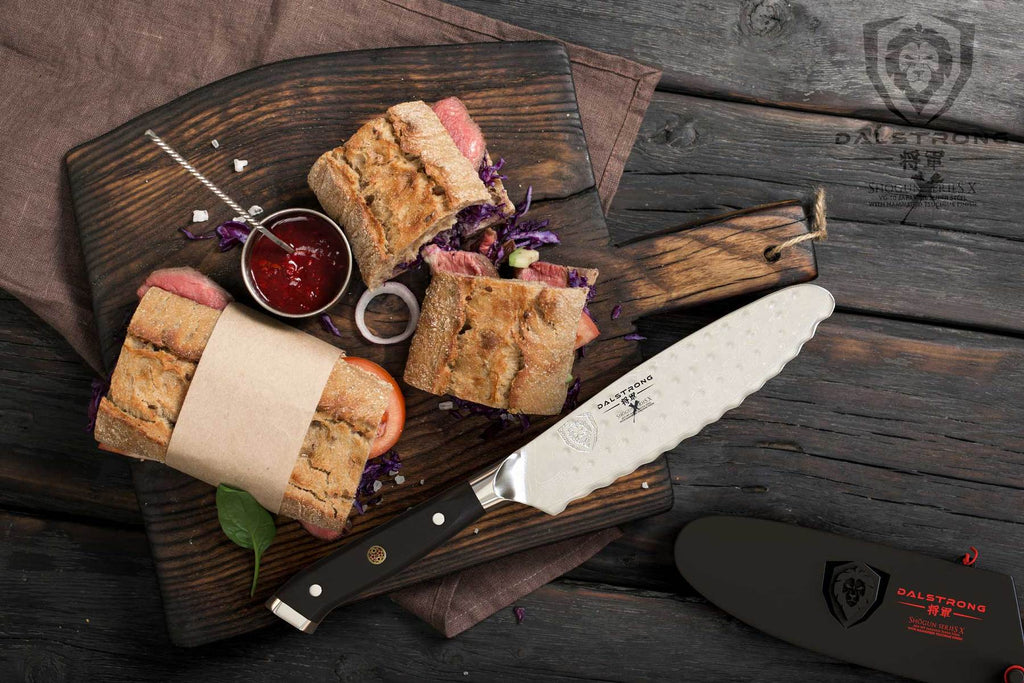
column 394, row 185
column 499, row 198
column 165, row 341
column 502, row 343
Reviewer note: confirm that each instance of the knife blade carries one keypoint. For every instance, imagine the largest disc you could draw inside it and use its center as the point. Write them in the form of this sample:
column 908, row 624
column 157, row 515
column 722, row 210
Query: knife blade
column 644, row 413
column 892, row 610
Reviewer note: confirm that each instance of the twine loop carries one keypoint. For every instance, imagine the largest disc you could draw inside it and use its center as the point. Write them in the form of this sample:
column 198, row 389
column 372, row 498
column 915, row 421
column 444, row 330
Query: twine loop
column 818, row 226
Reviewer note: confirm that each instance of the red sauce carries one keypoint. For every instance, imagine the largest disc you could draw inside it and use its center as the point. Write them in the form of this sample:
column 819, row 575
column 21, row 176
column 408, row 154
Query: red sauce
column 307, row 279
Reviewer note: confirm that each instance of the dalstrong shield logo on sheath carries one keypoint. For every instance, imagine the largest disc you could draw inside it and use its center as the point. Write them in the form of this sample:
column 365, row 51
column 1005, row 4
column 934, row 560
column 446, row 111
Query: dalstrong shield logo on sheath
column 579, row 433
column 852, row 591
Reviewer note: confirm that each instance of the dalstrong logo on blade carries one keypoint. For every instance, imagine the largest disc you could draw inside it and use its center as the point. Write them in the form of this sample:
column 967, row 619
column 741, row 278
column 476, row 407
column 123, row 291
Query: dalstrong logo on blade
column 852, row 591
column 579, row 433
column 918, row 67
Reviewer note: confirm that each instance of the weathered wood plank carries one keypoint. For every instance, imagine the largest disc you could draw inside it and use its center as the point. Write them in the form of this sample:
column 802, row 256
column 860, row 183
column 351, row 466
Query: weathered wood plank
column 300, row 108
column 806, row 56
column 48, row 461
column 725, row 256
column 105, row 624
column 954, row 264
column 888, row 431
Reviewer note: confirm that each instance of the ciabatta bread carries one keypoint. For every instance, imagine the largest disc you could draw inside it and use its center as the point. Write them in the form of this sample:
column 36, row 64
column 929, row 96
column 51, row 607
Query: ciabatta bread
column 166, row 338
column 394, row 185
column 501, row 343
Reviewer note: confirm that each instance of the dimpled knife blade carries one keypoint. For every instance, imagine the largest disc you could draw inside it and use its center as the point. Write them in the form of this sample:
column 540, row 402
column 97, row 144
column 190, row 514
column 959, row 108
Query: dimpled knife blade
column 638, row 417
column 665, row 400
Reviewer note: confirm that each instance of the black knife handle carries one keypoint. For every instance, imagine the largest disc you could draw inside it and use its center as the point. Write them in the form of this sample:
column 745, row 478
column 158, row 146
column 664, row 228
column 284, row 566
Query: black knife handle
column 316, row 590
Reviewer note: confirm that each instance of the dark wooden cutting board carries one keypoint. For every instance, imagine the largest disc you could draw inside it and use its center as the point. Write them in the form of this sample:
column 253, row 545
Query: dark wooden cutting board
column 130, row 200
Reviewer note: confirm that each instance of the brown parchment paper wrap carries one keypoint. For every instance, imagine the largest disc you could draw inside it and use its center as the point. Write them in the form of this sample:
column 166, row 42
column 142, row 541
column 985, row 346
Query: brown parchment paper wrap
column 249, row 404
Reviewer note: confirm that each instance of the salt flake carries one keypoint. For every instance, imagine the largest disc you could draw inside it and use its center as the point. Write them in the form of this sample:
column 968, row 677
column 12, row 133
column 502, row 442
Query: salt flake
column 255, row 210
column 399, row 479
column 377, row 486
column 645, row 485
column 240, row 164
column 200, row 216
column 215, row 143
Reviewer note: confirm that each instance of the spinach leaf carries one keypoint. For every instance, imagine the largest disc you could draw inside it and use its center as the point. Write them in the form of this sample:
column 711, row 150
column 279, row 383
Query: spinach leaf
column 246, row 523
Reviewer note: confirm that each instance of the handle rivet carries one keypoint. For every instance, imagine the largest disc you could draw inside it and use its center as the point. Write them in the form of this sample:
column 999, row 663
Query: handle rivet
column 376, row 554
column 315, row 590
column 438, row 519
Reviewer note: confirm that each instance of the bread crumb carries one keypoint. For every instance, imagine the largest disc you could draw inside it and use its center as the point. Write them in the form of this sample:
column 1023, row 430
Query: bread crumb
column 240, row 164
column 200, row 216
column 215, row 143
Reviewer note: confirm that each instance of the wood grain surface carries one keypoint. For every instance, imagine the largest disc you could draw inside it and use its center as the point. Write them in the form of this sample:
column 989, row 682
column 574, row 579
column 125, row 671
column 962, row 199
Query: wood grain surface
column 129, row 198
column 281, row 117
column 900, row 422
column 796, row 55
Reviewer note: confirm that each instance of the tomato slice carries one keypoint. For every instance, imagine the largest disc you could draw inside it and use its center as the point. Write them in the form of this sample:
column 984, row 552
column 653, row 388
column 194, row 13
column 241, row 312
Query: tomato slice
column 586, row 331
column 393, row 422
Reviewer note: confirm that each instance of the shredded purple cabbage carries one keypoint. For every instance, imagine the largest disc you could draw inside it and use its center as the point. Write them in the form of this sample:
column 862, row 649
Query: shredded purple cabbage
column 467, row 221
column 529, row 234
column 229, row 233
column 328, row 325
column 376, row 469
column 577, row 280
column 99, row 390
column 572, row 396
column 616, row 311
column 634, row 336
column 489, row 174
column 201, row 236
column 520, row 613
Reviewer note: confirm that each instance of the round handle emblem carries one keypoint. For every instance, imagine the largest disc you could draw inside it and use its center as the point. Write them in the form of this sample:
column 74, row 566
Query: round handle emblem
column 376, row 554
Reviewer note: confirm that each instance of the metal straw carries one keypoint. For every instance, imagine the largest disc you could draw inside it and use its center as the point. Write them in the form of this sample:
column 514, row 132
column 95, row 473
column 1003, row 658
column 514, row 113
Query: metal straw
column 243, row 215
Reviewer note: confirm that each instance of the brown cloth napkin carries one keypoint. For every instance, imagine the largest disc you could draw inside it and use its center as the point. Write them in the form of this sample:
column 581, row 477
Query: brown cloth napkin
column 72, row 71
column 453, row 603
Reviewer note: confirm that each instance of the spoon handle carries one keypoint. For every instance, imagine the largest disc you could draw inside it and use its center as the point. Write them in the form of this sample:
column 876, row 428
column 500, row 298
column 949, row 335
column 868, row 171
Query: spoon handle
column 255, row 222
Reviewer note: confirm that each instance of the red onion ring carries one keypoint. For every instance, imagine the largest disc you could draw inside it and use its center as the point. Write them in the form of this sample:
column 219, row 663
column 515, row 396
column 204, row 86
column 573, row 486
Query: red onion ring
column 403, row 293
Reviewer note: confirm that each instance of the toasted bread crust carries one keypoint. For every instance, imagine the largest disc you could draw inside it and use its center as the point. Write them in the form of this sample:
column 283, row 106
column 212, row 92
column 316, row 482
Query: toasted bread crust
column 394, row 185
column 165, row 340
column 502, row 343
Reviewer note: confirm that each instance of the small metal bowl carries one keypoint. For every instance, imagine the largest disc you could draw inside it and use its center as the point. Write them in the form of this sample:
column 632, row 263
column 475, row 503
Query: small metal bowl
column 255, row 236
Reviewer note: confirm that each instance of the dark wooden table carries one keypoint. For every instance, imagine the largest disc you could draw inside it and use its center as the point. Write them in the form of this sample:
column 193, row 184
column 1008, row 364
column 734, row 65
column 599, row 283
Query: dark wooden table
column 900, row 423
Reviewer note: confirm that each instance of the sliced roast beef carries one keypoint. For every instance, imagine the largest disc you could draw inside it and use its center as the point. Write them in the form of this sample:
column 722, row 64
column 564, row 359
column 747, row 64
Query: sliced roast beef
column 188, row 283
column 488, row 237
column 554, row 274
column 462, row 128
column 321, row 533
column 458, row 262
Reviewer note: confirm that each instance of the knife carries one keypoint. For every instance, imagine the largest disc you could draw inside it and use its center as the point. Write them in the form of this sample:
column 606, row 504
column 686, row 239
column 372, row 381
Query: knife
column 644, row 413
column 892, row 610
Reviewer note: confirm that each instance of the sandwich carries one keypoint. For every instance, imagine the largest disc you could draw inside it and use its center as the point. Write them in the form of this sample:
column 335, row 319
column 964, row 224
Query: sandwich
column 164, row 343
column 405, row 177
column 503, row 343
